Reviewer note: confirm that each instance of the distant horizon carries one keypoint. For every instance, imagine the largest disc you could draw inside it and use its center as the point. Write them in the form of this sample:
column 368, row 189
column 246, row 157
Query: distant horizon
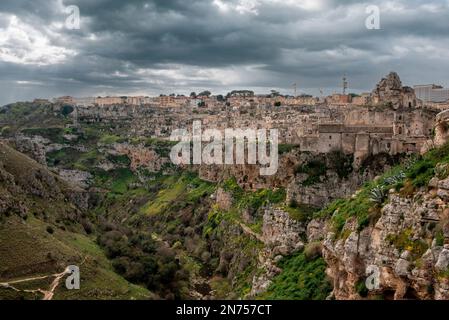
column 290, row 94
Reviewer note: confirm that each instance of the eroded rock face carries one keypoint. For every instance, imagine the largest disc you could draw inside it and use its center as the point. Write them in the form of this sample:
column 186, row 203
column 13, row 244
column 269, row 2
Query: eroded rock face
column 76, row 177
column 442, row 129
column 33, row 147
column 402, row 245
column 249, row 177
column 141, row 157
column 320, row 194
column 281, row 233
column 316, row 230
column 282, row 236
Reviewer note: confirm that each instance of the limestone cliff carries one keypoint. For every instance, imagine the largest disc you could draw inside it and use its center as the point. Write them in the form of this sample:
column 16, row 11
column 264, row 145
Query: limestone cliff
column 406, row 241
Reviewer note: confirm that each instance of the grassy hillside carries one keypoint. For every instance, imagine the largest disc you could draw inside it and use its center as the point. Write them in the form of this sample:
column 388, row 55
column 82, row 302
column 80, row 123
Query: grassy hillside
column 41, row 233
column 303, row 277
column 20, row 115
column 29, row 250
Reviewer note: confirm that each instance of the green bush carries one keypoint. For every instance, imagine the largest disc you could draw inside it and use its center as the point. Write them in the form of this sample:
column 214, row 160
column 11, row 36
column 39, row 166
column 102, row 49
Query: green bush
column 341, row 163
column 141, row 260
column 439, row 237
column 233, row 187
column 361, row 289
column 286, row 148
column 378, row 195
column 403, row 241
column 300, row 279
column 53, row 134
column 120, row 159
column 421, row 173
column 315, row 169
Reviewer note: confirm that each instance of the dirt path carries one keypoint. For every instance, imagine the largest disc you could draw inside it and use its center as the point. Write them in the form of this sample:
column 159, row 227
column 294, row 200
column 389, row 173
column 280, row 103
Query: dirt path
column 48, row 294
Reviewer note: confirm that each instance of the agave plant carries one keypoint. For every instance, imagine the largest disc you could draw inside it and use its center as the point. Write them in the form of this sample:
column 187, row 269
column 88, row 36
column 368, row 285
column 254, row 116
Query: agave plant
column 395, row 179
column 442, row 171
column 378, row 195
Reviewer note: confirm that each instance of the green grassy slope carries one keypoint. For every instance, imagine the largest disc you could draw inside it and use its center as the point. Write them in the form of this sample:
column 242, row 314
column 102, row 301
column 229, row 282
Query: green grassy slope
column 41, row 234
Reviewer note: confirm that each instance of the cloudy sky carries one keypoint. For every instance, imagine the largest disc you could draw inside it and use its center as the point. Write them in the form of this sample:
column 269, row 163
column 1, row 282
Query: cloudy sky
column 163, row 46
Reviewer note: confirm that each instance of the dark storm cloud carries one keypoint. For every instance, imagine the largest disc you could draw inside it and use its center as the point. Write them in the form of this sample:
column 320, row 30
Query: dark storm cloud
column 158, row 46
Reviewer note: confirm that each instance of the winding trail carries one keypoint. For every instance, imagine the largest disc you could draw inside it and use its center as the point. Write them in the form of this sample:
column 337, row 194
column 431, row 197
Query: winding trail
column 48, row 294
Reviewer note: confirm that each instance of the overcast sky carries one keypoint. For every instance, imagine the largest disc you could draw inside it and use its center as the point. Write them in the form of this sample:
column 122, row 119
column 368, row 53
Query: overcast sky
column 162, row 46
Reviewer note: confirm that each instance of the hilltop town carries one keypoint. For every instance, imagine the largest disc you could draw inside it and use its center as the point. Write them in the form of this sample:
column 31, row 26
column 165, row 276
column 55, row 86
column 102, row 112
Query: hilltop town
column 398, row 95
column 391, row 119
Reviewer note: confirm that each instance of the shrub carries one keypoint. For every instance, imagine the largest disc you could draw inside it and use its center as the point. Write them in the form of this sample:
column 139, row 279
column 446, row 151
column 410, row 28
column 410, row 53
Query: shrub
column 378, row 195
column 5, row 131
column 314, row 169
column 361, row 289
column 300, row 279
column 286, row 148
column 395, row 179
column 293, row 204
column 442, row 171
column 233, row 187
column 403, row 241
column 313, row 250
column 50, row 230
column 421, row 173
column 341, row 163
column 439, row 237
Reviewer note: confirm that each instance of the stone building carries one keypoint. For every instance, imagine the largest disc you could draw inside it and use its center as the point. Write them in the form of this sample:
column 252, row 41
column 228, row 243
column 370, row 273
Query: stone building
column 390, row 91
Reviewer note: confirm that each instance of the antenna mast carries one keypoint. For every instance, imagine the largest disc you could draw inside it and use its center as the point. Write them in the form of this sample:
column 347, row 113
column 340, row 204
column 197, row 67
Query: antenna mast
column 345, row 84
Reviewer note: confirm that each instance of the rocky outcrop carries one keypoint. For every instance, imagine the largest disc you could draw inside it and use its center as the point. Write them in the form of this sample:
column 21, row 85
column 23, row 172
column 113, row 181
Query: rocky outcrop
column 141, row 157
column 329, row 188
column 282, row 236
column 248, row 176
column 34, row 147
column 78, row 178
column 442, row 129
column 408, row 246
column 390, row 91
column 281, row 233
